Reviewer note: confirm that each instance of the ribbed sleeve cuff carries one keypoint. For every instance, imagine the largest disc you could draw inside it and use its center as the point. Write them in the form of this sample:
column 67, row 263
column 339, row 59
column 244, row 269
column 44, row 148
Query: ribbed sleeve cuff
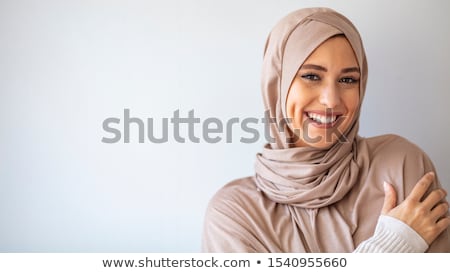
column 392, row 235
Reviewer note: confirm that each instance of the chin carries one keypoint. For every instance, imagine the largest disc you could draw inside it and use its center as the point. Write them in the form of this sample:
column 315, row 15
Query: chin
column 320, row 141
column 322, row 136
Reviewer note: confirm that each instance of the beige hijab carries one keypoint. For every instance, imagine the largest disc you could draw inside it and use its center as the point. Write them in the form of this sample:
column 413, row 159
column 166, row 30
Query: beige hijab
column 304, row 199
column 305, row 177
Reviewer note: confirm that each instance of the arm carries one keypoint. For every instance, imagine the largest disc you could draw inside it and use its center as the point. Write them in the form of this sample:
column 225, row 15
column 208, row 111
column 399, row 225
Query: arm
column 229, row 237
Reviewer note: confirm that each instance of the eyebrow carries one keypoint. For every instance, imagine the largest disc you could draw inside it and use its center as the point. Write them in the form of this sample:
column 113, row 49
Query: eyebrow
column 321, row 68
column 350, row 69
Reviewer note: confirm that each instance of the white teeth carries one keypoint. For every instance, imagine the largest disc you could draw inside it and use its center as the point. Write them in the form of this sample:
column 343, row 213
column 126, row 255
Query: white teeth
column 321, row 119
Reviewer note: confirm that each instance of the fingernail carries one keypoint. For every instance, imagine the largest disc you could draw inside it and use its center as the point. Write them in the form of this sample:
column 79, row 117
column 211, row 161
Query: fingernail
column 385, row 185
column 431, row 173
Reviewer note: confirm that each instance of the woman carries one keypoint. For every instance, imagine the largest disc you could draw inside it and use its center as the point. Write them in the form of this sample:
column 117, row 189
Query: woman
column 318, row 186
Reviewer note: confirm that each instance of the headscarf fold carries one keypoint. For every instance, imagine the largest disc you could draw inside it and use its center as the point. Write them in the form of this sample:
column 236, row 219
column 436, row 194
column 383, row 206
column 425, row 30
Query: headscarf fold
column 305, row 176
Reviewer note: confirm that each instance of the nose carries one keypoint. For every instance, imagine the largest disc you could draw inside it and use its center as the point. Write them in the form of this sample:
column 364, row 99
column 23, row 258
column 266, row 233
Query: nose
column 330, row 96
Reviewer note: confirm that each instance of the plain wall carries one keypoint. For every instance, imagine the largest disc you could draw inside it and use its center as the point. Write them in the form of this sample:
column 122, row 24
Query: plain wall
column 66, row 66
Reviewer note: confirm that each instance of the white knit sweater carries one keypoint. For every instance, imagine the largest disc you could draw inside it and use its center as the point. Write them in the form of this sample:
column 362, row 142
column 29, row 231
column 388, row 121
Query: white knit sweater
column 392, row 235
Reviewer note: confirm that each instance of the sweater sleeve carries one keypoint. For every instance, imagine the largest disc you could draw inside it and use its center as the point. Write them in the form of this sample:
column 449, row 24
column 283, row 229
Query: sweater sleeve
column 392, row 235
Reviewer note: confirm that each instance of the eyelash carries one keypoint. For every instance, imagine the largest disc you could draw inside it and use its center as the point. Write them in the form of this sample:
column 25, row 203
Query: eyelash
column 314, row 77
column 349, row 80
column 310, row 77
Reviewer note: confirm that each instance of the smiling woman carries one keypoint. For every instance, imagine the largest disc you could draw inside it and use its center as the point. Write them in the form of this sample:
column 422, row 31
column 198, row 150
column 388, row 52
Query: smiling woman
column 319, row 187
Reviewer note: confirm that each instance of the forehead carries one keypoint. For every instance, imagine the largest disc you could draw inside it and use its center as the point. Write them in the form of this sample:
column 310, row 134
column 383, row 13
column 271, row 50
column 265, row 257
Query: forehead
column 335, row 50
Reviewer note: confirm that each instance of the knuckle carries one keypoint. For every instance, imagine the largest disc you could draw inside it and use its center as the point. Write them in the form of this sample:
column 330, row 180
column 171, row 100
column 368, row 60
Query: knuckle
column 421, row 211
column 436, row 229
column 408, row 205
column 439, row 193
column 443, row 208
column 423, row 182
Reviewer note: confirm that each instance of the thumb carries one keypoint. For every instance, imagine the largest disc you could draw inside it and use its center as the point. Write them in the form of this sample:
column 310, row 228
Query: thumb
column 390, row 198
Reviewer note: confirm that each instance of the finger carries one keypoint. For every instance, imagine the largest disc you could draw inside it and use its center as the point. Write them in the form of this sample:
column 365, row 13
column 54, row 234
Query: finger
column 433, row 198
column 439, row 211
column 442, row 224
column 421, row 187
column 390, row 198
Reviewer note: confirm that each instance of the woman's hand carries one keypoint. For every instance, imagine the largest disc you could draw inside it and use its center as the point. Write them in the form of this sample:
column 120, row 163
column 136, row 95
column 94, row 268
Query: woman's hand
column 425, row 214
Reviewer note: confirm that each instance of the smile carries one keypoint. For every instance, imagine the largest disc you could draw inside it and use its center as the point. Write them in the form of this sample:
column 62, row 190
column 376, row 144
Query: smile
column 323, row 120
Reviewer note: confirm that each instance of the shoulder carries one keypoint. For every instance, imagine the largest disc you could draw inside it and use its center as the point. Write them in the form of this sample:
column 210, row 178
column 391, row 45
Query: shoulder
column 235, row 194
column 228, row 220
column 387, row 146
column 395, row 159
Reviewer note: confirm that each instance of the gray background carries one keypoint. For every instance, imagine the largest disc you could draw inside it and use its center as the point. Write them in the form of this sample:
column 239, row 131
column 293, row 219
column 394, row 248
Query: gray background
column 65, row 66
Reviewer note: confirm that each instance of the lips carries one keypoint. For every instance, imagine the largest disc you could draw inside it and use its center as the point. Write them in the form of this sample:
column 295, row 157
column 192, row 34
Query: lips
column 322, row 119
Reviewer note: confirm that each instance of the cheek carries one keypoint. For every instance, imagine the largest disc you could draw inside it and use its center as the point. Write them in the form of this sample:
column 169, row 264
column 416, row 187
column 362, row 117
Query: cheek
column 296, row 102
column 291, row 101
column 351, row 101
column 295, row 106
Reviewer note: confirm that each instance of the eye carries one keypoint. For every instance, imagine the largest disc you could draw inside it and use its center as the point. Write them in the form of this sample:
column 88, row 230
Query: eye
column 348, row 80
column 310, row 77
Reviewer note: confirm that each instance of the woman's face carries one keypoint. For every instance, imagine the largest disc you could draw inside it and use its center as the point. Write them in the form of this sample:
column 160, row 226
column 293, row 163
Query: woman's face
column 324, row 95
